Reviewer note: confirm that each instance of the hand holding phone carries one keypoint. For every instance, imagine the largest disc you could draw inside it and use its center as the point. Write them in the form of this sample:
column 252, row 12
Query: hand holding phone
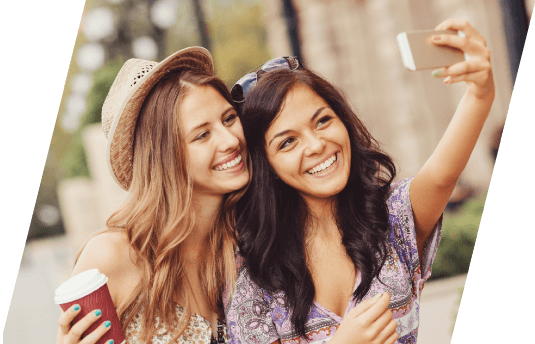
column 419, row 53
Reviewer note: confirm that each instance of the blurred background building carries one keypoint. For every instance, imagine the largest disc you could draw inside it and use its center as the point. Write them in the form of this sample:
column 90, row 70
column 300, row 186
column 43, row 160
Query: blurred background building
column 352, row 43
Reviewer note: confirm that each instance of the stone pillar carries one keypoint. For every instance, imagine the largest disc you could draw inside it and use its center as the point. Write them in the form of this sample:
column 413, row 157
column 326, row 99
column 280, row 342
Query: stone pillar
column 86, row 203
column 109, row 194
column 79, row 207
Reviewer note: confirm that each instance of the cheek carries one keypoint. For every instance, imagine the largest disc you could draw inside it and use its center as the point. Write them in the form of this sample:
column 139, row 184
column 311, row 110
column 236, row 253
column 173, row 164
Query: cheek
column 198, row 160
column 285, row 166
column 237, row 130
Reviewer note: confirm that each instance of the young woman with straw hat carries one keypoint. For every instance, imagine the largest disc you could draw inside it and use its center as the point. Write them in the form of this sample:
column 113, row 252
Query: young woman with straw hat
column 176, row 144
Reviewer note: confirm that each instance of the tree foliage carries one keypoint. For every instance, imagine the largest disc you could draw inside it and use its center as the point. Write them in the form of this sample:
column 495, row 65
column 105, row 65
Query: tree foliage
column 459, row 234
column 74, row 162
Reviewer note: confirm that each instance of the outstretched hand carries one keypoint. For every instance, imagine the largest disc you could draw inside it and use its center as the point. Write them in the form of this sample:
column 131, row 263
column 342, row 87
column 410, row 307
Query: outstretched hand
column 433, row 184
column 477, row 71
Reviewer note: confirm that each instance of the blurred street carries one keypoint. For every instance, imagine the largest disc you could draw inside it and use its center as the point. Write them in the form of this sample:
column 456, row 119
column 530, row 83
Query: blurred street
column 33, row 316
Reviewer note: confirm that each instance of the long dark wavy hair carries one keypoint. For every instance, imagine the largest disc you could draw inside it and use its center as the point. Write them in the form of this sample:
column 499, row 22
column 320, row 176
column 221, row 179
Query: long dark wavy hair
column 272, row 216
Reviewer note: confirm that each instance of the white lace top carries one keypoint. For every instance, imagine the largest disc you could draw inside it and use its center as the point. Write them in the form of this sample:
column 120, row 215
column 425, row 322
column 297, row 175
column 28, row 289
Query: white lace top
column 198, row 331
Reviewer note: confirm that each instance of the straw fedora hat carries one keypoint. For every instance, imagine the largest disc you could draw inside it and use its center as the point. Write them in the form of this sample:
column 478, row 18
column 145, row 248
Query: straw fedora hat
column 126, row 96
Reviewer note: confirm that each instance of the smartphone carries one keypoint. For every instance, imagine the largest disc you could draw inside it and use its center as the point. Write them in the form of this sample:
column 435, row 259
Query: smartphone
column 418, row 53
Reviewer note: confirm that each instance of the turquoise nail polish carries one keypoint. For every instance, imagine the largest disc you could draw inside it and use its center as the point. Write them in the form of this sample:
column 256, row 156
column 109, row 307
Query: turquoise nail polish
column 111, row 341
column 76, row 308
column 436, row 73
column 107, row 323
column 98, row 312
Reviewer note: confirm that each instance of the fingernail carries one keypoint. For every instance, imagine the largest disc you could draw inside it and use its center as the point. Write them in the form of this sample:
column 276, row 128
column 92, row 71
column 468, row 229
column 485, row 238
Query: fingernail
column 76, row 308
column 436, row 38
column 98, row 312
column 436, row 73
column 107, row 323
column 376, row 296
column 447, row 80
column 111, row 341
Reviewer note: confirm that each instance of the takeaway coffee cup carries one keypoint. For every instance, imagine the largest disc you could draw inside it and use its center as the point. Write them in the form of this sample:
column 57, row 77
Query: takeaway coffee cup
column 90, row 291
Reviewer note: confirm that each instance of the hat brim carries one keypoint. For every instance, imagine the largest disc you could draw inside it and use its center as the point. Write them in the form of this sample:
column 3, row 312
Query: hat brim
column 119, row 149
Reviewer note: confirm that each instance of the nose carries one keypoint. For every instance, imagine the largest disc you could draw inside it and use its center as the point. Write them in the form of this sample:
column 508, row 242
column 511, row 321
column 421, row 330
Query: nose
column 228, row 141
column 314, row 144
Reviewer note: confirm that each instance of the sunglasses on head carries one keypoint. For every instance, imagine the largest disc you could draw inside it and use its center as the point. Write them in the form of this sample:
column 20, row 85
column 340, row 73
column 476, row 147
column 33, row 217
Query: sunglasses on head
column 249, row 80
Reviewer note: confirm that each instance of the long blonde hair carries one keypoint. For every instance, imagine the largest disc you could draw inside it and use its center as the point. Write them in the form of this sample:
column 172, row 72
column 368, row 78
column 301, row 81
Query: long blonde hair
column 158, row 215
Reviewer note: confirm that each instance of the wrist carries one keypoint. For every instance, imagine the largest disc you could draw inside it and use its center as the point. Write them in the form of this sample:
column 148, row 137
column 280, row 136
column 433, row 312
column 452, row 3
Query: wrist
column 481, row 94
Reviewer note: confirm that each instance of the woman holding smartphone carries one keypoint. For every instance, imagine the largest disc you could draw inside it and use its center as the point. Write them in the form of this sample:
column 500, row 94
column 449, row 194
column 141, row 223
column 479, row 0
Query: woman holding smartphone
column 176, row 144
column 331, row 249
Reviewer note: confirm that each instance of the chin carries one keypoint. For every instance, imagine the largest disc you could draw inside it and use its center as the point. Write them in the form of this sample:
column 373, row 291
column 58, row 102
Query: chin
column 326, row 191
column 239, row 184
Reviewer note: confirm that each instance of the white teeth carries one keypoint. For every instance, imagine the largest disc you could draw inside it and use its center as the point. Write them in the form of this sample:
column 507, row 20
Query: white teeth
column 229, row 164
column 320, row 167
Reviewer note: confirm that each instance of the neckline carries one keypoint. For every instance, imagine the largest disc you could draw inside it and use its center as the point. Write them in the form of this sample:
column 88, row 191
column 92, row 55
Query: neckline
column 193, row 314
column 332, row 314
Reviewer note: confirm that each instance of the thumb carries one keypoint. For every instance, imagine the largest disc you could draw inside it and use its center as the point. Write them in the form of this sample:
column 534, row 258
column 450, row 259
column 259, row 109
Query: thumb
column 364, row 305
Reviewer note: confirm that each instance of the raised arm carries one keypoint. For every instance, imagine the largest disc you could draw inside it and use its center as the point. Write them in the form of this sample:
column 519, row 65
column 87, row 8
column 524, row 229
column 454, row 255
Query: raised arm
column 434, row 183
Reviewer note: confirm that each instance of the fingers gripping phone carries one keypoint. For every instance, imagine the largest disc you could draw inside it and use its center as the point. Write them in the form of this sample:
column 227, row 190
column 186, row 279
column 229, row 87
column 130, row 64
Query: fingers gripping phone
column 418, row 53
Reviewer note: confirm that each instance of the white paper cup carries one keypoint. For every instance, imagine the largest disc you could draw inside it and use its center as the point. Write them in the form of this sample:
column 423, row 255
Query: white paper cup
column 90, row 291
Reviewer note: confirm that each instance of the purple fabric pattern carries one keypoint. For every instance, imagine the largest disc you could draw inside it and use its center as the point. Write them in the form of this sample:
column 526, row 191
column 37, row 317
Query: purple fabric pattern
column 253, row 316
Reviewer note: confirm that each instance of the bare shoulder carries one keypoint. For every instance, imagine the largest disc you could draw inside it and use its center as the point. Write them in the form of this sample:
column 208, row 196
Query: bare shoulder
column 110, row 253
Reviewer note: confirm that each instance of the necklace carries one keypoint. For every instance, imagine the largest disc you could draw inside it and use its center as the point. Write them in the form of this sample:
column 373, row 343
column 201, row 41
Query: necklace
column 221, row 333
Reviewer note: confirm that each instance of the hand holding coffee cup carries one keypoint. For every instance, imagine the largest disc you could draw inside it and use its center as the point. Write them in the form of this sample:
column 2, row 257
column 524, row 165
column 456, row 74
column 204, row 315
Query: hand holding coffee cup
column 69, row 334
column 89, row 312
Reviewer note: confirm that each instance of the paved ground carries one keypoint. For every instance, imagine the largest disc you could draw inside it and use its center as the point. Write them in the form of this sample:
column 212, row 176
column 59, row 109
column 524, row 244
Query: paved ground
column 438, row 308
column 32, row 317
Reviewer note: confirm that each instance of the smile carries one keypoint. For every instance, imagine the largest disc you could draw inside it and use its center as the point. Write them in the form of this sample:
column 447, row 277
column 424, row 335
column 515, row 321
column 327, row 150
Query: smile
column 324, row 165
column 230, row 164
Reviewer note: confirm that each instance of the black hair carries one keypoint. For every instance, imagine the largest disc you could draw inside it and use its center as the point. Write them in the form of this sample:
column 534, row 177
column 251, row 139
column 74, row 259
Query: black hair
column 271, row 216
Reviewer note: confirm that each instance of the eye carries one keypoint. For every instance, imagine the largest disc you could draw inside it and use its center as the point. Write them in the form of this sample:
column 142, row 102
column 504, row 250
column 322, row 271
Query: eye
column 323, row 120
column 230, row 119
column 202, row 136
column 286, row 143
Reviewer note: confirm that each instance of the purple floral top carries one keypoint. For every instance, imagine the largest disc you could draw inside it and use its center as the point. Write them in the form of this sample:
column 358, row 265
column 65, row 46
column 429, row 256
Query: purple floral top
column 254, row 316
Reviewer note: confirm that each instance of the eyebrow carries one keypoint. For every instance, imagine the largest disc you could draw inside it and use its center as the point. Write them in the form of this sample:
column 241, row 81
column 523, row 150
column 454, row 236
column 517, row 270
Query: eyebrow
column 316, row 114
column 207, row 123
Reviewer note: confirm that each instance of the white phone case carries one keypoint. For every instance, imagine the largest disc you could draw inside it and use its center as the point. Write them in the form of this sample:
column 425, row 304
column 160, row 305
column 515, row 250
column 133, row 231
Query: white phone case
column 418, row 53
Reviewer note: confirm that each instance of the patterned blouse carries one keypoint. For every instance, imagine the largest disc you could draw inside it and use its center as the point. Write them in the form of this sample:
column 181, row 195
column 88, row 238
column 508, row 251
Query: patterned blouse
column 254, row 316
column 197, row 332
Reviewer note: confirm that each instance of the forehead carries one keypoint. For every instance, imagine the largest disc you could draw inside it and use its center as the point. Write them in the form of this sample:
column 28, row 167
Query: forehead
column 297, row 108
column 201, row 104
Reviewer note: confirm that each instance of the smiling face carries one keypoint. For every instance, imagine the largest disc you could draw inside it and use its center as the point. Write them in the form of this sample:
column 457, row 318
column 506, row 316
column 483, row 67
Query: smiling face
column 308, row 146
column 214, row 141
